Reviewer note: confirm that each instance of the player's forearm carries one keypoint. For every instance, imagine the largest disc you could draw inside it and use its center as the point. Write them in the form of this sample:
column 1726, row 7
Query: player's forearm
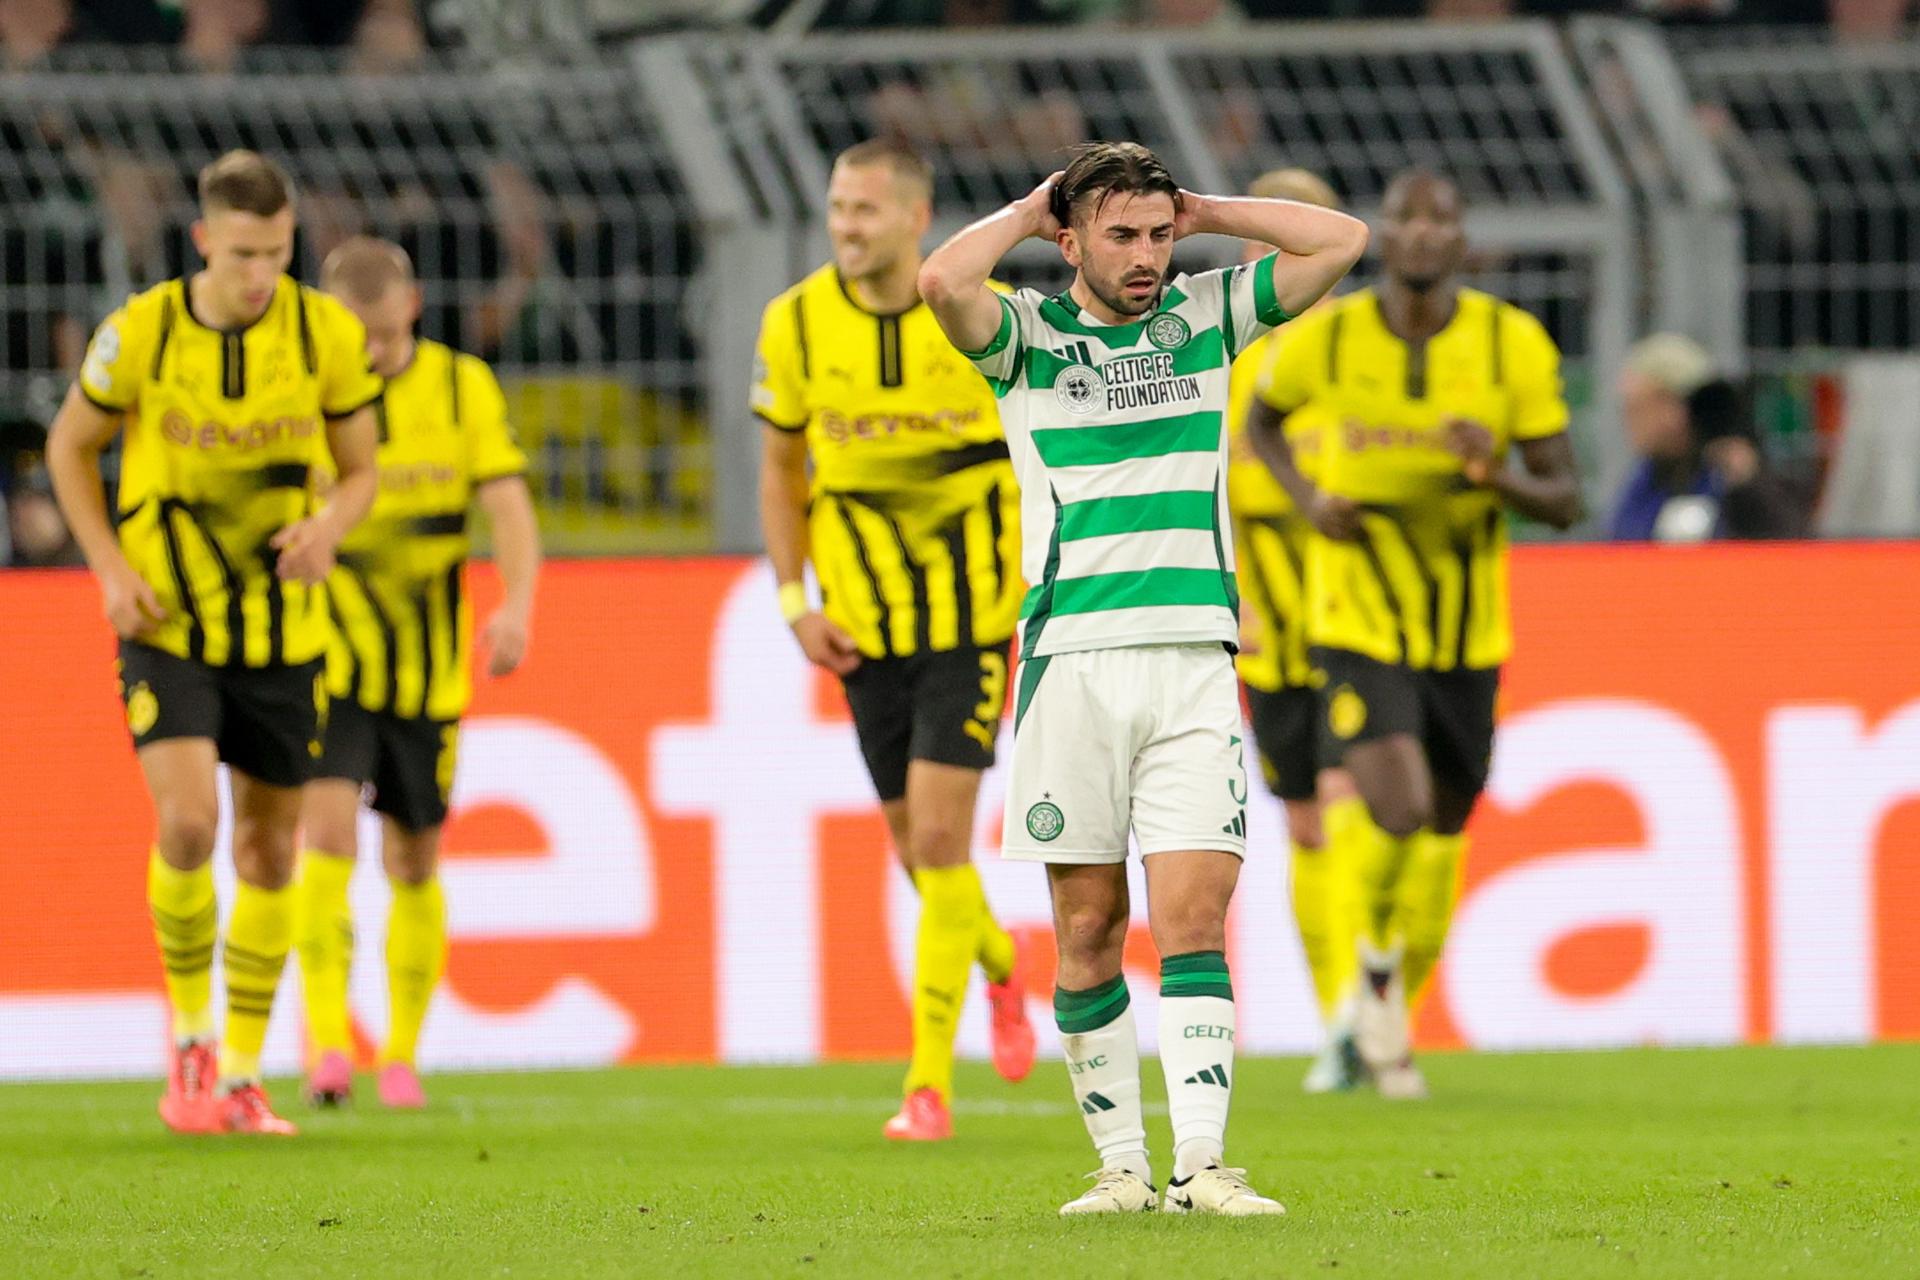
column 1318, row 246
column 953, row 279
column 349, row 501
column 1552, row 499
column 966, row 261
column 516, row 540
column 1267, row 438
column 81, row 496
column 783, row 523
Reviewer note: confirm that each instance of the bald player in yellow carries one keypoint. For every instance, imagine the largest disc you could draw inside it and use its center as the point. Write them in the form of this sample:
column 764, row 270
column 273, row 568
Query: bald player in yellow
column 1271, row 538
column 400, row 663
column 1445, row 413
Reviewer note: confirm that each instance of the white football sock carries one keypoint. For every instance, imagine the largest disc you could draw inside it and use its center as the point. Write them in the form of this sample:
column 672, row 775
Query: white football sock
column 1196, row 1052
column 1103, row 1060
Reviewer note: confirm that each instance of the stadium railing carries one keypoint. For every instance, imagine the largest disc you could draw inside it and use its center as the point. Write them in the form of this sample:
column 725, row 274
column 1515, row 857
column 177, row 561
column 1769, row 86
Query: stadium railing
column 550, row 223
column 1497, row 107
column 607, row 227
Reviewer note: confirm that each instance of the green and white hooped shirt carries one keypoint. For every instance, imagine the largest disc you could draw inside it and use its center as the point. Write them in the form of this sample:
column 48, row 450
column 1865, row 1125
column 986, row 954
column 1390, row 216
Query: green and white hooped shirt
column 1119, row 439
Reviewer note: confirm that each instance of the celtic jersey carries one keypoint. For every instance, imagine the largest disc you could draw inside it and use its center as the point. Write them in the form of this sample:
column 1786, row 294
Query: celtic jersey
column 1118, row 438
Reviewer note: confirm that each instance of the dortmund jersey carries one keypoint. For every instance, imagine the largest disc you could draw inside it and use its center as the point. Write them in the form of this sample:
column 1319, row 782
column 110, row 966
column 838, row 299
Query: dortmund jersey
column 224, row 430
column 1270, row 534
column 1119, row 436
column 403, row 627
column 914, row 525
column 1426, row 582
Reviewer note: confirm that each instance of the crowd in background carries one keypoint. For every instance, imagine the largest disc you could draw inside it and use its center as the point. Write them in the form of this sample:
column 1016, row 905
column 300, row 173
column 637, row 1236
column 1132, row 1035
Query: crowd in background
column 1700, row 471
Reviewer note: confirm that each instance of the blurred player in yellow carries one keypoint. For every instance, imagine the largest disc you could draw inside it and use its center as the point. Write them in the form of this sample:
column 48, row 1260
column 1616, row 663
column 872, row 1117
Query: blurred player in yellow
column 1271, row 539
column 236, row 387
column 399, row 667
column 1428, row 389
column 912, row 520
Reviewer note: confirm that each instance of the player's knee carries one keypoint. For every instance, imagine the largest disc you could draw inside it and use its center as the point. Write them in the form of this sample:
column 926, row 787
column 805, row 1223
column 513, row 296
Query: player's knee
column 1089, row 931
column 1303, row 825
column 938, row 842
column 263, row 855
column 331, row 836
column 186, row 832
column 1402, row 816
column 1188, row 928
column 412, row 858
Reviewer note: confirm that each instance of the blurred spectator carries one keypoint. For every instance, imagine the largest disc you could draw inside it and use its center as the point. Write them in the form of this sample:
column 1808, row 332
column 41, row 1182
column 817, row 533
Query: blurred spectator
column 1701, row 473
column 31, row 29
column 32, row 534
column 379, row 35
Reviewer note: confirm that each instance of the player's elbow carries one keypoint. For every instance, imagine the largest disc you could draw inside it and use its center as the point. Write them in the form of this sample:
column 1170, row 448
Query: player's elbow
column 935, row 286
column 1354, row 235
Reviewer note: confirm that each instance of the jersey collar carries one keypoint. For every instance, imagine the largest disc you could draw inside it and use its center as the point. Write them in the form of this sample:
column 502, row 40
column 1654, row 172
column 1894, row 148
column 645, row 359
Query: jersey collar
column 846, row 291
column 1065, row 314
column 186, row 305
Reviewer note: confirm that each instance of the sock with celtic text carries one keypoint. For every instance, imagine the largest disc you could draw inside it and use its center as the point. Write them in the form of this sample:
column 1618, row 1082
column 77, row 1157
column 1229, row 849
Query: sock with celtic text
column 1103, row 1061
column 1196, row 1052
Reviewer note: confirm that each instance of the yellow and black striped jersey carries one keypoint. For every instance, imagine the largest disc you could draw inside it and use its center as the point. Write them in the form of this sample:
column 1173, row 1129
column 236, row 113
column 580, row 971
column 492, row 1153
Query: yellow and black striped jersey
column 915, row 517
column 224, row 430
column 1426, row 583
column 403, row 627
column 1270, row 533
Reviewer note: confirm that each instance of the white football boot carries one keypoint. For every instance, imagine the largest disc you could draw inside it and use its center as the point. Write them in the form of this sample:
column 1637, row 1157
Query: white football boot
column 1219, row 1190
column 1113, row 1191
column 1382, row 1028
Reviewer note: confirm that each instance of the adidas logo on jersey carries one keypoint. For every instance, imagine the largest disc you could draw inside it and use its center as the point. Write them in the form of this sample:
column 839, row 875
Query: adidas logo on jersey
column 1238, row 827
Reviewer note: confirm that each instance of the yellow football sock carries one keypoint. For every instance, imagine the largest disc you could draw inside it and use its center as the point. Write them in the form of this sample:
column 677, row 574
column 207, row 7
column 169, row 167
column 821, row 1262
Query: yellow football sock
column 186, row 922
column 951, row 907
column 258, row 938
column 1311, row 884
column 325, row 939
column 1423, row 909
column 416, row 957
column 1379, row 861
column 1346, row 829
column 994, row 950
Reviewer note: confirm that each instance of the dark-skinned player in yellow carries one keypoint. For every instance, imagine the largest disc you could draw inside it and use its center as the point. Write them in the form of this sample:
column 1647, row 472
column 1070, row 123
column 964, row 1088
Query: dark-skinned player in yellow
column 1271, row 540
column 1446, row 414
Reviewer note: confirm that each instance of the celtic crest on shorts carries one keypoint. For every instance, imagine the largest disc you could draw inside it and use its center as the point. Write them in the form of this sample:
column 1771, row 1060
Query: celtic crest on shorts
column 1168, row 332
column 1078, row 388
column 1045, row 821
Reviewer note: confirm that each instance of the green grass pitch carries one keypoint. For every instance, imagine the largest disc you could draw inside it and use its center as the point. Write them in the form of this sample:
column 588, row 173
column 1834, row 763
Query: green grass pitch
column 1747, row 1163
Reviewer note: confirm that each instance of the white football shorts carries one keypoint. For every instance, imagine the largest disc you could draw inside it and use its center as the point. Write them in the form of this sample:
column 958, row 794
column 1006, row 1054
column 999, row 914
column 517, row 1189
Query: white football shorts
column 1146, row 739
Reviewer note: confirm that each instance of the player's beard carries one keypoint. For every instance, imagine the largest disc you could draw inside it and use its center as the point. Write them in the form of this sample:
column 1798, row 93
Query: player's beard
column 1117, row 301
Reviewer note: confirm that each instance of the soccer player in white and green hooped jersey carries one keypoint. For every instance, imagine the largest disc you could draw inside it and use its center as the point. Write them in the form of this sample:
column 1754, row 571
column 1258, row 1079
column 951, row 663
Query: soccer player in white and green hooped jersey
column 1127, row 715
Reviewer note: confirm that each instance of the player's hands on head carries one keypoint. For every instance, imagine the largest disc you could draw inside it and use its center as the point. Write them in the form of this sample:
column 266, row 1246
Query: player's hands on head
column 504, row 640
column 1335, row 517
column 306, row 550
column 825, row 644
column 1473, row 445
column 129, row 602
column 1038, row 204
